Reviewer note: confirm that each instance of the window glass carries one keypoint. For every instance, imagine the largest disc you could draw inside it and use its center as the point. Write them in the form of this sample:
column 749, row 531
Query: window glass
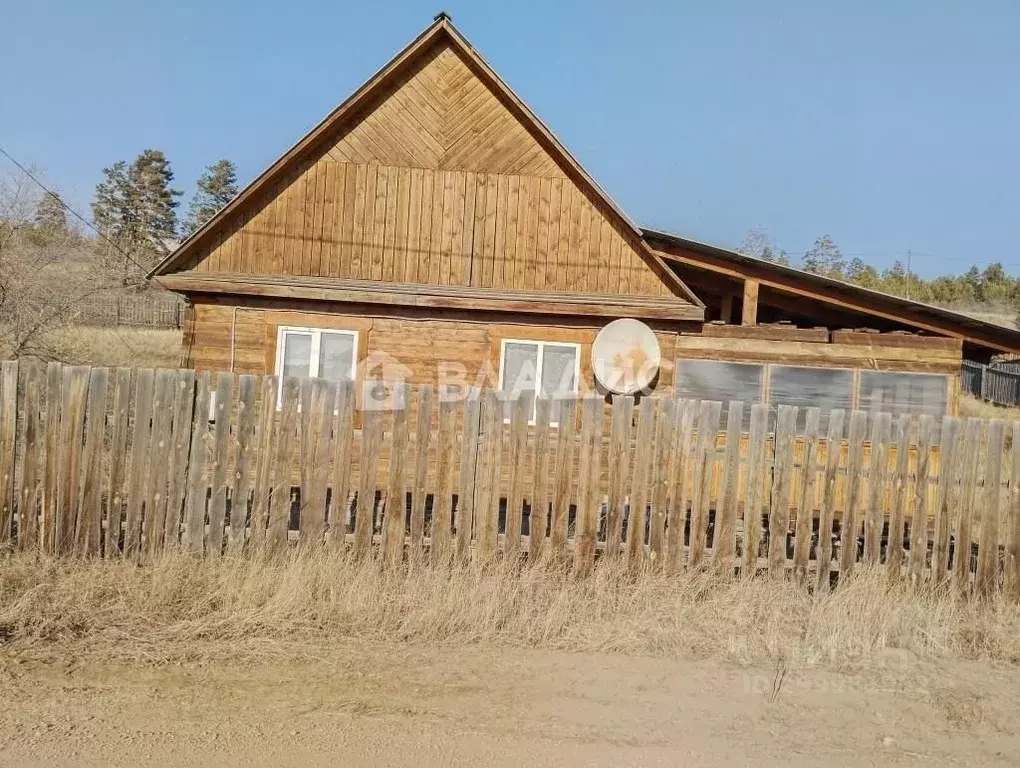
column 336, row 356
column 896, row 393
column 713, row 380
column 520, row 367
column 825, row 388
column 559, row 365
column 559, row 368
column 297, row 354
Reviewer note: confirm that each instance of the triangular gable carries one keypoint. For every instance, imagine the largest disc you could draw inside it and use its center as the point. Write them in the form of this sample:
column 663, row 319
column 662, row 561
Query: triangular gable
column 433, row 172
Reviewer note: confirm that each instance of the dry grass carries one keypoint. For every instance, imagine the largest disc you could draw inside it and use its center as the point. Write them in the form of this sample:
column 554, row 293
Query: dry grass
column 977, row 408
column 129, row 347
column 246, row 608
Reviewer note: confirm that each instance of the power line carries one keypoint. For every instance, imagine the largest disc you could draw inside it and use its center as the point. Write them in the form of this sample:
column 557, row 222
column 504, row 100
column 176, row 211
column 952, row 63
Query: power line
column 70, row 210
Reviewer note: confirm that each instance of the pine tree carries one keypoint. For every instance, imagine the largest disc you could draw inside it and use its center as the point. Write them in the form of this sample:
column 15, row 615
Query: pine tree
column 113, row 210
column 216, row 187
column 50, row 217
column 135, row 206
column 150, row 178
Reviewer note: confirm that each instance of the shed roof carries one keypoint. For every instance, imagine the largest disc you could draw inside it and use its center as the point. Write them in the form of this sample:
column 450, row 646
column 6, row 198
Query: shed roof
column 979, row 333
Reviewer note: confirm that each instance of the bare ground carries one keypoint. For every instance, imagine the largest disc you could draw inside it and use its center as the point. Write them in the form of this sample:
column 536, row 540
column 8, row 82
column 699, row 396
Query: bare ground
column 403, row 704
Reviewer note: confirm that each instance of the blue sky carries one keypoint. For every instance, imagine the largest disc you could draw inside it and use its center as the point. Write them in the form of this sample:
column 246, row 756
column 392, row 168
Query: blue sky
column 888, row 125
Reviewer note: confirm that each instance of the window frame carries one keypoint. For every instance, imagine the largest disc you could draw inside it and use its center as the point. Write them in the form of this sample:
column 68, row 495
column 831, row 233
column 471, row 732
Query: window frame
column 541, row 344
column 313, row 353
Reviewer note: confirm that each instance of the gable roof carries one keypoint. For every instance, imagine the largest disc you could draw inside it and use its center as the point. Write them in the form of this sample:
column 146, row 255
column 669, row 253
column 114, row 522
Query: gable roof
column 441, row 29
column 977, row 333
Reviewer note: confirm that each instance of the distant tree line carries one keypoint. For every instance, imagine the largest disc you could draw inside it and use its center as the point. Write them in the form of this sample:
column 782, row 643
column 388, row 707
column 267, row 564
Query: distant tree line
column 135, row 206
column 990, row 287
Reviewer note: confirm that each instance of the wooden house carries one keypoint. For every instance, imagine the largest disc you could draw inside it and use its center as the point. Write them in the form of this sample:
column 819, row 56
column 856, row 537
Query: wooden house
column 432, row 226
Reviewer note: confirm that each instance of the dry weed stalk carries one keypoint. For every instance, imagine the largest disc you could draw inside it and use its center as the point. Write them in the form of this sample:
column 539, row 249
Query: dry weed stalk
column 246, row 607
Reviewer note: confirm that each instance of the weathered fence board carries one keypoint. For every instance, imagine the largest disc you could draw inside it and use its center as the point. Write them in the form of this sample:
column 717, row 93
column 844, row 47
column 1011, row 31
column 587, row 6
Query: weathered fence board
column 29, row 497
column 708, row 429
column 833, row 442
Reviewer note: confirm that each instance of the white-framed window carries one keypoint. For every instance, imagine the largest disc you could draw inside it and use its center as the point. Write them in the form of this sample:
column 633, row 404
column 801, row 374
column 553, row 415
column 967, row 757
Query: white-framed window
column 322, row 353
column 550, row 368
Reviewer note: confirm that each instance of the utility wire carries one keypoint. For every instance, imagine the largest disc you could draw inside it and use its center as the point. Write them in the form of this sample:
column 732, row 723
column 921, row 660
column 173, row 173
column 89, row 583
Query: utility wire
column 71, row 210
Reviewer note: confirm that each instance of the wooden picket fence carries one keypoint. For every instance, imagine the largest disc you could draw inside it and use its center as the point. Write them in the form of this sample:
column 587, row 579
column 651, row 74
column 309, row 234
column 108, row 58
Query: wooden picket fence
column 128, row 463
column 144, row 311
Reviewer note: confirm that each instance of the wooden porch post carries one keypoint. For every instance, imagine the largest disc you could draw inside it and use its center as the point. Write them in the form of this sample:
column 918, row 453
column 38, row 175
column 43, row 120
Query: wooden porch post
column 726, row 314
column 750, row 314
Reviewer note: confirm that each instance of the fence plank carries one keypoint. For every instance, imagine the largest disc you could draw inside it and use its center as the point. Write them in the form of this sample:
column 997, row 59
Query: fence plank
column 851, row 523
column 878, row 471
column 520, row 414
column 244, row 455
column 541, row 497
column 833, row 454
column 29, row 497
column 154, row 519
column 223, row 407
column 564, row 475
column 919, row 513
column 440, row 534
column 619, row 471
column 316, row 429
column 808, row 478
column 806, row 498
column 193, row 535
column 1012, row 566
column 487, row 475
column 343, row 457
column 590, row 461
column 678, row 481
column 708, row 433
column 140, row 441
column 88, row 526
column 371, row 446
column 74, row 386
column 419, row 486
column 724, row 542
column 51, row 458
column 665, row 431
column 643, row 452
column 278, row 526
column 779, row 503
column 594, row 505
column 946, row 499
column 974, row 453
column 469, row 450
column 183, row 423
column 988, row 548
column 8, row 436
column 756, row 475
column 897, row 509
column 264, row 461
column 394, row 520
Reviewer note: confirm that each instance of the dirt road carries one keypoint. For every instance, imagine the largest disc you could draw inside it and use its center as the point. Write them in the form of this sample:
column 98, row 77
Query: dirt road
column 479, row 706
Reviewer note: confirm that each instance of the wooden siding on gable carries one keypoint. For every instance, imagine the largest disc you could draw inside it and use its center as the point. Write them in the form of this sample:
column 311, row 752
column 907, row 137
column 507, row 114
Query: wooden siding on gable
column 441, row 115
column 438, row 180
column 435, row 227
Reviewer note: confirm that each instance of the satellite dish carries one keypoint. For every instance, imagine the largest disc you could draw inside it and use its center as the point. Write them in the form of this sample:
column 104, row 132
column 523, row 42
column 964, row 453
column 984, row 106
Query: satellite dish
column 625, row 356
